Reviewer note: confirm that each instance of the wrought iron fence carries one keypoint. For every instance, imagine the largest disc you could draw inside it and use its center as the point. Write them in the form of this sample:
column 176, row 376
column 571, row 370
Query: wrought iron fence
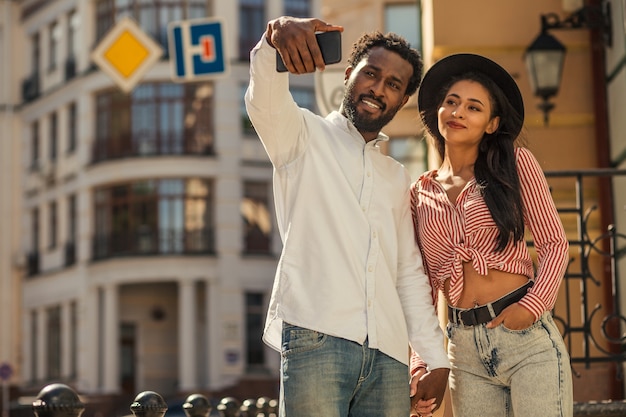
column 593, row 328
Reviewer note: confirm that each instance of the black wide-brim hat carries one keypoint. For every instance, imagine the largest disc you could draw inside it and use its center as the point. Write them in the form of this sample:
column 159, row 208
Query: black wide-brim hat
column 454, row 65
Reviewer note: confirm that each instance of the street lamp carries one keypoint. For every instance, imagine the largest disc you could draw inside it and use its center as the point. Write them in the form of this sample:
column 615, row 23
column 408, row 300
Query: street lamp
column 545, row 55
column 544, row 62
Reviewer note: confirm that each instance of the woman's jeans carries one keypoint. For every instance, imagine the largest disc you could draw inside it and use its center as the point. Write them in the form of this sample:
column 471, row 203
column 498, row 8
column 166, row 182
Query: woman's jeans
column 325, row 376
column 502, row 373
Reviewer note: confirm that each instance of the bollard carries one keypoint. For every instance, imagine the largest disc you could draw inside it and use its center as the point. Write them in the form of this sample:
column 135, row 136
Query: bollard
column 57, row 400
column 197, row 405
column 228, row 407
column 148, row 404
column 248, row 408
column 263, row 407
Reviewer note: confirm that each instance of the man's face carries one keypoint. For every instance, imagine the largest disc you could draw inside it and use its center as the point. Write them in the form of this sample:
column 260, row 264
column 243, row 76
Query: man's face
column 375, row 90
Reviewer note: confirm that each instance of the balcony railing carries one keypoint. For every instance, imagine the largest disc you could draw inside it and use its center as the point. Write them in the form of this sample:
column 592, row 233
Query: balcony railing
column 591, row 318
column 127, row 146
column 154, row 242
column 32, row 264
column 70, row 253
column 70, row 68
column 30, row 88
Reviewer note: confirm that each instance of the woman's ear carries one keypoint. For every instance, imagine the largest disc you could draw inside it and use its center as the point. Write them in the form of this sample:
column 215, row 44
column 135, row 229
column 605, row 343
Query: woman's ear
column 493, row 125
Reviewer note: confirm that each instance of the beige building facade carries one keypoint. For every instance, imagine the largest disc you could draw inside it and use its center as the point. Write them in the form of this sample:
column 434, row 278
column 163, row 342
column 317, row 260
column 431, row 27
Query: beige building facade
column 138, row 245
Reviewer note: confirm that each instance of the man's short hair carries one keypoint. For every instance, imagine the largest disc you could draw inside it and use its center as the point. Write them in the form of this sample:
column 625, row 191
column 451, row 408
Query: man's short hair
column 392, row 42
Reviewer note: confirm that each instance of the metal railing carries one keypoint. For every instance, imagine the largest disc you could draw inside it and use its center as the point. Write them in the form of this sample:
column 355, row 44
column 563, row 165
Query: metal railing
column 591, row 319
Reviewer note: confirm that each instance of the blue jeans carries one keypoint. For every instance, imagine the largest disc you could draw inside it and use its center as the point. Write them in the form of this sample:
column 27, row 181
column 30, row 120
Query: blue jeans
column 503, row 373
column 328, row 376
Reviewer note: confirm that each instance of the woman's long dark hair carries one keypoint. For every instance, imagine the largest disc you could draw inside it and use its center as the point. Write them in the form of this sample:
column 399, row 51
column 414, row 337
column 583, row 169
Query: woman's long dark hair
column 495, row 167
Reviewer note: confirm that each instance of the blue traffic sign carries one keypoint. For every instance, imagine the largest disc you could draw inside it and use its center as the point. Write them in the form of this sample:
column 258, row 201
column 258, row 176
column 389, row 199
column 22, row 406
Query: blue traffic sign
column 197, row 49
column 5, row 371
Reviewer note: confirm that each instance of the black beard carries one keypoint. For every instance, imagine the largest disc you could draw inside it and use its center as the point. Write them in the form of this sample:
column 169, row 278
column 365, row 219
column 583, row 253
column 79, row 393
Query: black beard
column 363, row 122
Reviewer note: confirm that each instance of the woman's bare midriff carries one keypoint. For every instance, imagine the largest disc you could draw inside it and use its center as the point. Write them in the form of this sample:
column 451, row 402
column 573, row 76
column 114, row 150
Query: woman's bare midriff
column 480, row 290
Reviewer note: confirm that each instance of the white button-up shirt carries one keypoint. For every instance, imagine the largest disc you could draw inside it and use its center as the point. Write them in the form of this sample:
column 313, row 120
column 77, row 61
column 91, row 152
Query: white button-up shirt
column 350, row 266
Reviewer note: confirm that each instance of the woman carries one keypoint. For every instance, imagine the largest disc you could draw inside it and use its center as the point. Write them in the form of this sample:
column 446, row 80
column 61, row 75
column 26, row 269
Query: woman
column 508, row 357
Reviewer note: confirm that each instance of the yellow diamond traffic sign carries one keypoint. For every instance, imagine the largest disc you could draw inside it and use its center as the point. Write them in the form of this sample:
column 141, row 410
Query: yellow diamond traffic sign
column 126, row 53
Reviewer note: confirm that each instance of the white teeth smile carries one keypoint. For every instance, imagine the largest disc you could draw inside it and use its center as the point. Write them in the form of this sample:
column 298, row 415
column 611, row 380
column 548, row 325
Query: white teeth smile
column 370, row 104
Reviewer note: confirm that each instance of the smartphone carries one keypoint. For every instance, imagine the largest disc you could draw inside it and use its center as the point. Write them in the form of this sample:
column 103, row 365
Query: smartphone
column 330, row 45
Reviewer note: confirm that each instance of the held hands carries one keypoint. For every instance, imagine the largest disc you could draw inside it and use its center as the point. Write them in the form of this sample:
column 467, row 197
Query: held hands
column 514, row 317
column 294, row 39
column 427, row 391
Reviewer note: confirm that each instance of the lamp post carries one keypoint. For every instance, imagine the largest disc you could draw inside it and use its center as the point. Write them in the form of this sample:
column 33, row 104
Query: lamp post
column 545, row 56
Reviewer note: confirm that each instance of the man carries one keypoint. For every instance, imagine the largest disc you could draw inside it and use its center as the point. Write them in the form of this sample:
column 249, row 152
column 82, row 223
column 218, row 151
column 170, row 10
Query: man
column 350, row 291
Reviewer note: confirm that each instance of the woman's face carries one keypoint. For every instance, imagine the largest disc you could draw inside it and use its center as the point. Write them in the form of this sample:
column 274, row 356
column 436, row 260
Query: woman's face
column 464, row 116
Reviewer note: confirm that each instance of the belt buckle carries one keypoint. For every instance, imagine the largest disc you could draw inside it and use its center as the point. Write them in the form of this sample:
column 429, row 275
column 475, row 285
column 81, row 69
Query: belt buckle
column 459, row 316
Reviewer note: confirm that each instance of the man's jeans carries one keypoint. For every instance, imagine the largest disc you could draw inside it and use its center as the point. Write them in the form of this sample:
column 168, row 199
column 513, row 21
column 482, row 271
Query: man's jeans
column 328, row 376
column 501, row 372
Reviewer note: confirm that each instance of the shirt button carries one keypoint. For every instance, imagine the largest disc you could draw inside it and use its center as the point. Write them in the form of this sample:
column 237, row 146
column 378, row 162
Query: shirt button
column 369, row 174
column 374, row 235
column 370, row 268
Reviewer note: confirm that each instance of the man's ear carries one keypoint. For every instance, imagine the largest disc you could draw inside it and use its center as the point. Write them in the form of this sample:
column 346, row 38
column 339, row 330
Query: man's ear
column 347, row 74
column 404, row 100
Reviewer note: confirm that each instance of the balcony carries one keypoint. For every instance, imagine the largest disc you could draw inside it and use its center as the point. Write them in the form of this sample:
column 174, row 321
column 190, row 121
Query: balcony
column 30, row 88
column 32, row 264
column 70, row 253
column 70, row 68
column 126, row 146
column 154, row 242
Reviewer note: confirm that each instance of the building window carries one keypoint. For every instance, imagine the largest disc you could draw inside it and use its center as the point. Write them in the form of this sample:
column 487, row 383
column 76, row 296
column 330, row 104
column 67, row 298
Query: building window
column 53, row 136
column 72, row 128
column 257, row 223
column 304, row 97
column 52, row 225
column 152, row 16
column 251, row 25
column 34, row 342
column 35, row 230
column 34, row 145
column 168, row 216
column 405, row 20
column 36, row 54
column 33, row 256
column 73, row 339
column 298, row 8
column 255, row 349
column 30, row 85
column 155, row 119
column 411, row 152
column 72, row 220
column 246, row 124
column 53, row 345
column 73, row 28
column 53, row 45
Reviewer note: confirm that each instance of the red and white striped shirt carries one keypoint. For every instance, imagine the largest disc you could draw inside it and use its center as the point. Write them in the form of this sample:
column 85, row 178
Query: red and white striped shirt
column 449, row 235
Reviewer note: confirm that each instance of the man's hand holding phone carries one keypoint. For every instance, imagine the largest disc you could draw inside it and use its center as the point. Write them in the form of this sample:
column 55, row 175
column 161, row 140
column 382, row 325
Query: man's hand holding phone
column 299, row 43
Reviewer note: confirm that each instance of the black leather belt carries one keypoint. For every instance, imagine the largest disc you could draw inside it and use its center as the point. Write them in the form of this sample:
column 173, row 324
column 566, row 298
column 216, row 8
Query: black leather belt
column 481, row 314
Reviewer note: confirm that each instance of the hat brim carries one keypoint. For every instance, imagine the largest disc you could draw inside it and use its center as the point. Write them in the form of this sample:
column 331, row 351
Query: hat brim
column 454, row 65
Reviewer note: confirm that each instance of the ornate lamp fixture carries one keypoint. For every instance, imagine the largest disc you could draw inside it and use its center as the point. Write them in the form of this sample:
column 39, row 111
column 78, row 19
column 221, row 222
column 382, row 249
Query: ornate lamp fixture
column 545, row 56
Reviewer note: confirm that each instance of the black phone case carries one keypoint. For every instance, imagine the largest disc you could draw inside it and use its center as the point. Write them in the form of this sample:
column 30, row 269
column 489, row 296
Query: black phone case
column 330, row 45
